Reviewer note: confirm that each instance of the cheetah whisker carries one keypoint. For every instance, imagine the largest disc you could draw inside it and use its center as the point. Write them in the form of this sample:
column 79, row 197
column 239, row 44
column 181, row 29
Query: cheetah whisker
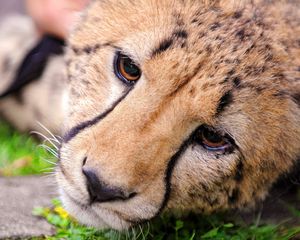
column 48, row 171
column 45, row 138
column 53, row 145
column 48, row 161
column 48, row 131
column 49, row 149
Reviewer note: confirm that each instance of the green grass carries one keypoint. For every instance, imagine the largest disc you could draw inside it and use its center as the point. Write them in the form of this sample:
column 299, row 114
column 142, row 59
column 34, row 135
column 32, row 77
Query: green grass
column 20, row 155
column 168, row 228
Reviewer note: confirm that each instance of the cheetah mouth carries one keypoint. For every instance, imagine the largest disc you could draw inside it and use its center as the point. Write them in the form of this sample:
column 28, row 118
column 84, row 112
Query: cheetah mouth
column 96, row 215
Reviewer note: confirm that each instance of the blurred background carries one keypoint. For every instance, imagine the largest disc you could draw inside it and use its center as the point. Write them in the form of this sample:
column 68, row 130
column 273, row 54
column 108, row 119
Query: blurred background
column 11, row 6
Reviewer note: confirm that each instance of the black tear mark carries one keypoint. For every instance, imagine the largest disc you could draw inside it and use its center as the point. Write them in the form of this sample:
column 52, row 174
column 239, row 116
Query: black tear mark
column 168, row 175
column 77, row 129
column 296, row 98
column 225, row 100
column 234, row 197
column 167, row 178
column 163, row 46
column 169, row 171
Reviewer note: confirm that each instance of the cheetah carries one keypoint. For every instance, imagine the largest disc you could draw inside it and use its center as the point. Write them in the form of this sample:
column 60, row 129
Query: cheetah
column 170, row 105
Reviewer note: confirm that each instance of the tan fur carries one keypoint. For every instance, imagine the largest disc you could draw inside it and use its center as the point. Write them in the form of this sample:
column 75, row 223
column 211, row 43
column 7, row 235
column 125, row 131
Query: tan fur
column 247, row 48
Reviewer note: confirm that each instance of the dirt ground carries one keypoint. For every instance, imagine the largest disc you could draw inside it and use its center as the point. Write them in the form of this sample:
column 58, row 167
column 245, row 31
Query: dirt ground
column 18, row 197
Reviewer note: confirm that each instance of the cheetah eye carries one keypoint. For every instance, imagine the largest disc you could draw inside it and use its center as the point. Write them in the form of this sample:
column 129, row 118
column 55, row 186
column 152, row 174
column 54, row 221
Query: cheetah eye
column 125, row 69
column 212, row 140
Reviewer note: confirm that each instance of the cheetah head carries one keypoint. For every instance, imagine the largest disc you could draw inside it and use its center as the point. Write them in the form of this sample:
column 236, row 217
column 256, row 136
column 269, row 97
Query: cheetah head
column 176, row 105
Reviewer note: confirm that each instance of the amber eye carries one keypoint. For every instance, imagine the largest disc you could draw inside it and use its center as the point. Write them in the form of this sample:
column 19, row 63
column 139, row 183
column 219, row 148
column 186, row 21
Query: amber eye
column 126, row 70
column 211, row 140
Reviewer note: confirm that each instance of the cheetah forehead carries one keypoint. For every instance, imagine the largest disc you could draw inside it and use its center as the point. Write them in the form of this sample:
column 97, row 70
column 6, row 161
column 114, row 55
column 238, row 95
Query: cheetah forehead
column 228, row 48
column 208, row 55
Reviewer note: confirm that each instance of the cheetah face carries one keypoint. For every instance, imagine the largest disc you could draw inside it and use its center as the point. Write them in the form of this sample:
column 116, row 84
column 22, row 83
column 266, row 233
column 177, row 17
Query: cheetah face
column 173, row 106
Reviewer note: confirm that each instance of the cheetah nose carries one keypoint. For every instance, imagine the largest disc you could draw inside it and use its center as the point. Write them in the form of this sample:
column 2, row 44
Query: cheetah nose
column 100, row 192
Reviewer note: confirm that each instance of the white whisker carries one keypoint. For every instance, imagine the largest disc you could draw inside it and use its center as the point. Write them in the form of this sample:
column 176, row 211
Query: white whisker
column 49, row 161
column 49, row 149
column 59, row 138
column 48, row 131
column 47, row 141
column 50, row 176
column 46, row 170
column 45, row 138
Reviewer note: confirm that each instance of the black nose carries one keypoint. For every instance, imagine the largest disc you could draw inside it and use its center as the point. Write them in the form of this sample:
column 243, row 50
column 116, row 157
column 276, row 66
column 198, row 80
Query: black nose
column 99, row 192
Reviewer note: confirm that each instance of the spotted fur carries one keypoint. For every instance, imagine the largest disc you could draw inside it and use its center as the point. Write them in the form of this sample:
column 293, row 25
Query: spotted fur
column 232, row 65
